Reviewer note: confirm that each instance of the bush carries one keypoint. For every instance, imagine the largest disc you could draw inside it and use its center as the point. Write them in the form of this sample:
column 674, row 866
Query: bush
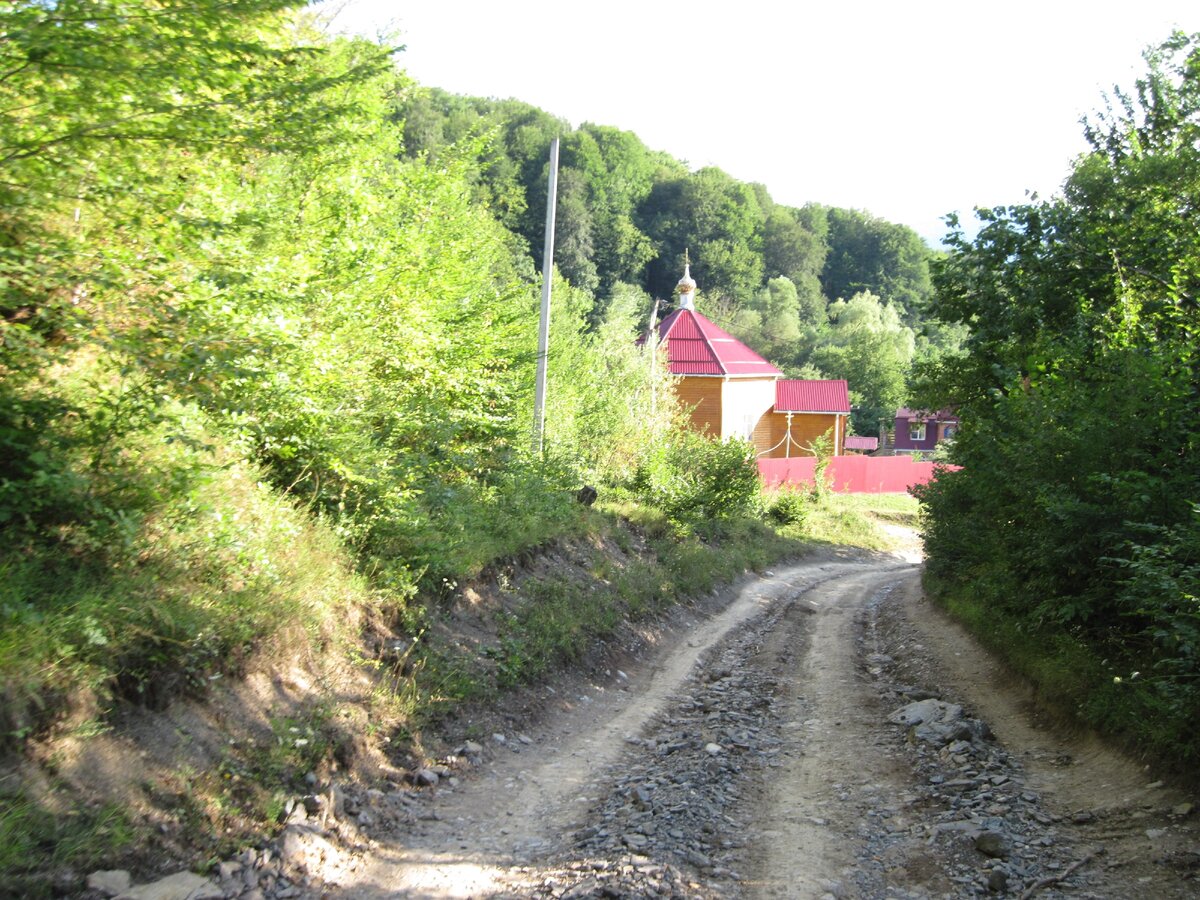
column 789, row 507
column 1073, row 514
column 203, row 575
column 694, row 479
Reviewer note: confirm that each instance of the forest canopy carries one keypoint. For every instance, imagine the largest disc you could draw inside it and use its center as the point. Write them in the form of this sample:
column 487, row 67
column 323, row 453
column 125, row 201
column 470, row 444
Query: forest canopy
column 769, row 273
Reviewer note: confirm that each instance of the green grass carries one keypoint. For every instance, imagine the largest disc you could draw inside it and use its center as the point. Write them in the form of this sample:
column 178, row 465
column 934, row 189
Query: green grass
column 557, row 622
column 202, row 585
column 901, row 509
column 231, row 803
column 852, row 519
column 228, row 571
column 519, row 510
column 42, row 836
column 559, row 617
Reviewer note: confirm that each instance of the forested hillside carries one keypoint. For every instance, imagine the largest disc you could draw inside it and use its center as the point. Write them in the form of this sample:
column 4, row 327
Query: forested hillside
column 1072, row 535
column 821, row 291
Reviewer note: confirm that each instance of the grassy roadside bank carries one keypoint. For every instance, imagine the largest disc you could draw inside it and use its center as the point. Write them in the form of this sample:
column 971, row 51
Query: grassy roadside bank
column 1081, row 684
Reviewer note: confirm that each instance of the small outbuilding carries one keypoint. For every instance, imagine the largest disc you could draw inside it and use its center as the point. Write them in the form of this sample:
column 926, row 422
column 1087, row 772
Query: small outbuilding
column 804, row 411
column 858, row 444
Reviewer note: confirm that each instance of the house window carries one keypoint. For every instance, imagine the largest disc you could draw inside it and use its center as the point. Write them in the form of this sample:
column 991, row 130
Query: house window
column 949, row 431
column 916, row 431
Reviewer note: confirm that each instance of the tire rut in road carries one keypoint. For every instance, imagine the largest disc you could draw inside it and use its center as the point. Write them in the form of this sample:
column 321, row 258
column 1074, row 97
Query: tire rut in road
column 683, row 814
column 505, row 825
column 829, row 811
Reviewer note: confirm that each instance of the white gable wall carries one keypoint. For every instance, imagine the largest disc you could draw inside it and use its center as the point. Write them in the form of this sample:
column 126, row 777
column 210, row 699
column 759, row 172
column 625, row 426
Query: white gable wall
column 743, row 402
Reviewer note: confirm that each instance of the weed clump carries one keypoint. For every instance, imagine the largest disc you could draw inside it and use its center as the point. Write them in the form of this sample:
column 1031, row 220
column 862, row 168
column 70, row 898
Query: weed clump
column 789, row 507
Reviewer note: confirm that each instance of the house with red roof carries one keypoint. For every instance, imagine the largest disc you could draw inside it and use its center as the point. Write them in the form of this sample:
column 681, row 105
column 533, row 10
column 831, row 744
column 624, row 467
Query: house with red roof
column 731, row 391
column 920, row 431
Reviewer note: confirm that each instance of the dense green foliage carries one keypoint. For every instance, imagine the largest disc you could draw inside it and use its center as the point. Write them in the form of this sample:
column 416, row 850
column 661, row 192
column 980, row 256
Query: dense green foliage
column 867, row 344
column 870, row 255
column 245, row 344
column 788, row 507
column 1077, row 514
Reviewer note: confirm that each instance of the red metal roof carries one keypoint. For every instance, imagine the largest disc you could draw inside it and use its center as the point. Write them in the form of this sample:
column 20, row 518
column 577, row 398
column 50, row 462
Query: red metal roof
column 857, row 442
column 695, row 346
column 812, row 396
column 943, row 415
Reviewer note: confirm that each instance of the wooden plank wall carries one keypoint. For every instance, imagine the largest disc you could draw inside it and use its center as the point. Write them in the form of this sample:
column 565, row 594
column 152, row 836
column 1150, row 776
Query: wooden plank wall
column 705, row 395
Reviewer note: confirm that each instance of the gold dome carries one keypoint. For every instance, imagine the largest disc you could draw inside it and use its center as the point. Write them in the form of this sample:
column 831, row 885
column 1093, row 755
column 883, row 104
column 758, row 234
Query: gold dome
column 687, row 283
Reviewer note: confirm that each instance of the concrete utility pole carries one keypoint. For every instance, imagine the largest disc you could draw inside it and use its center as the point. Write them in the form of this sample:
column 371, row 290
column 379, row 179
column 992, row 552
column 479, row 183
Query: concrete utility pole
column 539, row 401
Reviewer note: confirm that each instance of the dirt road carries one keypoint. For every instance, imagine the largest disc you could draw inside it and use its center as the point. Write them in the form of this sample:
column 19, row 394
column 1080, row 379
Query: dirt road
column 821, row 732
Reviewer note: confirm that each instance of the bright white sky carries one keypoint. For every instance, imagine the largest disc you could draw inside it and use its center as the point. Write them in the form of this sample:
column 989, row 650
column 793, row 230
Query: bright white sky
column 906, row 109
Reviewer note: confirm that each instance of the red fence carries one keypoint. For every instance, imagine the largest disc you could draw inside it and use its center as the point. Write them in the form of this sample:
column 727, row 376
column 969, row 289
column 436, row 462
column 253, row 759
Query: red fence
column 851, row 474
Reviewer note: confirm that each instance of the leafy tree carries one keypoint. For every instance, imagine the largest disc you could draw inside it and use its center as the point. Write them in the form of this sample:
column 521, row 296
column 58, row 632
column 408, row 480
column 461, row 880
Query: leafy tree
column 574, row 230
column 113, row 116
column 509, row 142
column 771, row 321
column 1075, row 511
column 609, row 398
column 868, row 345
column 626, row 214
column 437, row 125
column 869, row 254
column 527, row 135
column 789, row 248
column 781, row 312
column 718, row 220
column 794, row 250
column 354, row 321
column 620, row 173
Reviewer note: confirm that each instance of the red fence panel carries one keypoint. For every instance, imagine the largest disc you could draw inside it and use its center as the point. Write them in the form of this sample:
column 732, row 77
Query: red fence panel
column 851, row 474
column 796, row 470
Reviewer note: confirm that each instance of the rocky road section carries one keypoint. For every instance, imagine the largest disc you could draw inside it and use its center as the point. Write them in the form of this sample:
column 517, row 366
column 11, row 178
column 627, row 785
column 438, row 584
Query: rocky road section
column 822, row 732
